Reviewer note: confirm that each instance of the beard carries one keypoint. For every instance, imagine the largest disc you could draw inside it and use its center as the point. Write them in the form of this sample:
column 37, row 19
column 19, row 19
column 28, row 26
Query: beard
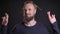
column 27, row 19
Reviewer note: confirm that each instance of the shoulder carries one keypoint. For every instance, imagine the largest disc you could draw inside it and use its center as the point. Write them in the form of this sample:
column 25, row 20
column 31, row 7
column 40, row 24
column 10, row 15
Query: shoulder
column 17, row 26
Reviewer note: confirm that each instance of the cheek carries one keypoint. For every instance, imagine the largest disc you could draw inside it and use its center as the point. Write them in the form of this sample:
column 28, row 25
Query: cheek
column 32, row 13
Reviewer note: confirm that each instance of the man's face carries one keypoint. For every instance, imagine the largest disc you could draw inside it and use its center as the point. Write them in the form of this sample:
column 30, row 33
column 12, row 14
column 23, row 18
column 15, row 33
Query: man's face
column 29, row 11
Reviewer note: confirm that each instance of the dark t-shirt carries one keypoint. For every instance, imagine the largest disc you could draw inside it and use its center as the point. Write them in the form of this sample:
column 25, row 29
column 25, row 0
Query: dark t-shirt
column 39, row 28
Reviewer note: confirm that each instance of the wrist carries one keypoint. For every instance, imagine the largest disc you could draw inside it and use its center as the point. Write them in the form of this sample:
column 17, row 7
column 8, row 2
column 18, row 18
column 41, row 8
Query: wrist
column 4, row 24
column 53, row 21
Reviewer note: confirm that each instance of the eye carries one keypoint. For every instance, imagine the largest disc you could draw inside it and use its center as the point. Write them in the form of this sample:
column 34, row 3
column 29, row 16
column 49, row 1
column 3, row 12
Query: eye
column 29, row 9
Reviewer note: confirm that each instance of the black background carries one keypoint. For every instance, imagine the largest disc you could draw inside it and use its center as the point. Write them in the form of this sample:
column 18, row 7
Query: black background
column 13, row 8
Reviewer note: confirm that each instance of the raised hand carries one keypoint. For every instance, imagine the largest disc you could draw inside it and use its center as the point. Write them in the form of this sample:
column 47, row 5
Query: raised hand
column 5, row 19
column 51, row 17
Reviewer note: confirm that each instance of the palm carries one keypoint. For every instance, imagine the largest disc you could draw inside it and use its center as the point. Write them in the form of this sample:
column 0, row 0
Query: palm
column 5, row 19
column 51, row 17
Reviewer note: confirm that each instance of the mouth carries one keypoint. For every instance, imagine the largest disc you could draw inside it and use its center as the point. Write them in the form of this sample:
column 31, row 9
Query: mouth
column 27, row 14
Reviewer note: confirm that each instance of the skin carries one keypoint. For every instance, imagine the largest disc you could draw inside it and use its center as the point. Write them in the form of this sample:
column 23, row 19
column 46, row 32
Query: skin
column 5, row 19
column 29, row 11
column 51, row 17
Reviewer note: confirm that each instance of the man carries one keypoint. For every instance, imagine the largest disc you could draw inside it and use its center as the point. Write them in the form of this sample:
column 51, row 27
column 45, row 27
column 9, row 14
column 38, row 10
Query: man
column 29, row 24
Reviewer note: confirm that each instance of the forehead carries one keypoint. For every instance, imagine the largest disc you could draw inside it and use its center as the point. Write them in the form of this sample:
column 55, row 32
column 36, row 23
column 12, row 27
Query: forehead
column 29, row 5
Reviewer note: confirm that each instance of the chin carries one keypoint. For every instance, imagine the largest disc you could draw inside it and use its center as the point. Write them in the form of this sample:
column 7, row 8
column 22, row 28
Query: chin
column 27, row 19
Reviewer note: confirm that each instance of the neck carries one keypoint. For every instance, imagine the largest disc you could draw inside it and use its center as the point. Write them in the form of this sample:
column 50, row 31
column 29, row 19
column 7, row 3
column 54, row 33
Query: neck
column 30, row 23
